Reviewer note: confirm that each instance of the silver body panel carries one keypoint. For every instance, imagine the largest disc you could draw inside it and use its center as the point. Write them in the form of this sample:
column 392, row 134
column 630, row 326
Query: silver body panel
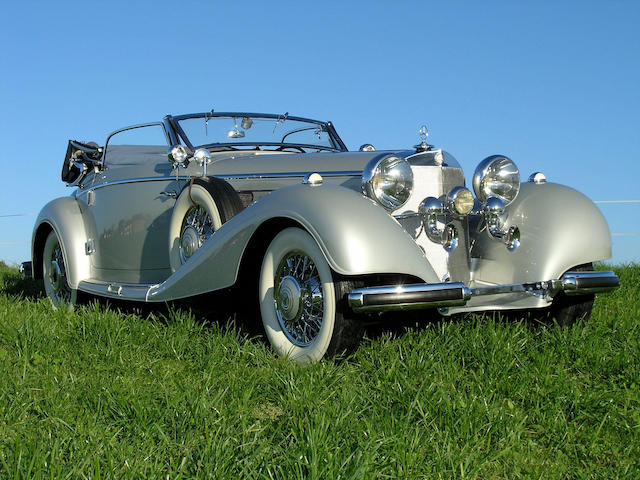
column 561, row 228
column 65, row 216
column 353, row 233
column 114, row 229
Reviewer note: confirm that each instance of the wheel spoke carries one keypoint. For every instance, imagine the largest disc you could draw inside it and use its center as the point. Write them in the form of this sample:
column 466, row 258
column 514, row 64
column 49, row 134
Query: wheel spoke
column 197, row 228
column 298, row 269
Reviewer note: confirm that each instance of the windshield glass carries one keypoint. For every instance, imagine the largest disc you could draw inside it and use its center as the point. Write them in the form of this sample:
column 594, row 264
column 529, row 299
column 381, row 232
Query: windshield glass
column 253, row 130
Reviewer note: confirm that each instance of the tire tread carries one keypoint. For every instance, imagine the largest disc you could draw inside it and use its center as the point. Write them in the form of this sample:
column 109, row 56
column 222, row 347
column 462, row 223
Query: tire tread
column 223, row 195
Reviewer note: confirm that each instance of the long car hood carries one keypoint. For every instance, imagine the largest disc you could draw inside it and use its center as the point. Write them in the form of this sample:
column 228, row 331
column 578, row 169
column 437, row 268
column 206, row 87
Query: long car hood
column 267, row 163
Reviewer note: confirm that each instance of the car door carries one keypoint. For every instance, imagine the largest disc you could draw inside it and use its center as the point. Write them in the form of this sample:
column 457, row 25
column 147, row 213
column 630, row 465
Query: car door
column 130, row 206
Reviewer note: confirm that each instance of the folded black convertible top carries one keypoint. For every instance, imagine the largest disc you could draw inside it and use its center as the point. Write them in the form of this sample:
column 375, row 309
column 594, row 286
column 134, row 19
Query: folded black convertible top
column 78, row 152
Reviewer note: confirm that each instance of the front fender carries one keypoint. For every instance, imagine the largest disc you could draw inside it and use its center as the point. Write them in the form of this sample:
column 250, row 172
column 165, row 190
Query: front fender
column 560, row 228
column 64, row 216
column 356, row 236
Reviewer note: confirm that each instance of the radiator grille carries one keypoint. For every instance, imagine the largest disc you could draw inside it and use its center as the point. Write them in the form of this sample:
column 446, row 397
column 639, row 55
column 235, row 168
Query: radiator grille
column 437, row 181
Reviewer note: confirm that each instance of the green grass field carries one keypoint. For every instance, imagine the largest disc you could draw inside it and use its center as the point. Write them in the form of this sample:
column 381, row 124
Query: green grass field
column 101, row 393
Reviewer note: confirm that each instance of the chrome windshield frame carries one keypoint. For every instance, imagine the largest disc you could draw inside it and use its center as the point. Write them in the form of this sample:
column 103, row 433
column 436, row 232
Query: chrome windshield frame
column 177, row 133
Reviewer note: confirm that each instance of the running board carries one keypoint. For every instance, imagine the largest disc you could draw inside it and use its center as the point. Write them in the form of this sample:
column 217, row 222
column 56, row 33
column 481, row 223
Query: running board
column 431, row 295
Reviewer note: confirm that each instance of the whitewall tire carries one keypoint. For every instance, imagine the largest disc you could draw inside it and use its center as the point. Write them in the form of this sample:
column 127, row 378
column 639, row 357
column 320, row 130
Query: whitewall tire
column 300, row 301
column 200, row 210
column 54, row 274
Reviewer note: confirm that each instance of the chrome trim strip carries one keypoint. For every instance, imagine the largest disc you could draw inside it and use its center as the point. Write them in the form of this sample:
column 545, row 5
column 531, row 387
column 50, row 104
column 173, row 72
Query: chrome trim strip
column 423, row 295
column 255, row 176
column 238, row 176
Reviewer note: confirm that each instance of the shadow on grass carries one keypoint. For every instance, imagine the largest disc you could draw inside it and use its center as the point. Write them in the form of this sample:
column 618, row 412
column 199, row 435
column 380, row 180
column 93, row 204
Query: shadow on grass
column 398, row 324
column 226, row 310
column 223, row 309
column 230, row 310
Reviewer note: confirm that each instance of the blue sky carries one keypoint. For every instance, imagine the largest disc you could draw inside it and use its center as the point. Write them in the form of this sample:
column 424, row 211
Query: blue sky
column 553, row 85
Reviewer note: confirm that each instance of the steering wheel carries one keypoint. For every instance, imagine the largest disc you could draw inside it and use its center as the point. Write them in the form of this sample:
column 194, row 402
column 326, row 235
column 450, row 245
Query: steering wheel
column 282, row 147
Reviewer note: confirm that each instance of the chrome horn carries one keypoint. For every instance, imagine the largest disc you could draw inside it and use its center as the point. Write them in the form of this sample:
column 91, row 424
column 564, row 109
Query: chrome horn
column 493, row 211
column 429, row 210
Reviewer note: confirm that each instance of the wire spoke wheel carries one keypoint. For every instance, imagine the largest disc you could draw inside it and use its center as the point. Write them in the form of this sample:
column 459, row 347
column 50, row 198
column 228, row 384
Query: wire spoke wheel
column 301, row 302
column 55, row 279
column 200, row 210
column 197, row 227
column 299, row 298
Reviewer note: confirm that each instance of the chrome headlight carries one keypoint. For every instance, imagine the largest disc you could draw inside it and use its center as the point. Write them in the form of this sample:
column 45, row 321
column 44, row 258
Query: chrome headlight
column 389, row 181
column 496, row 176
column 179, row 156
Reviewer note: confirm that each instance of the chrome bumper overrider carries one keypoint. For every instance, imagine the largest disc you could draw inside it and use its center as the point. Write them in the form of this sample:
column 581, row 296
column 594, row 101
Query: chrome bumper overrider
column 429, row 295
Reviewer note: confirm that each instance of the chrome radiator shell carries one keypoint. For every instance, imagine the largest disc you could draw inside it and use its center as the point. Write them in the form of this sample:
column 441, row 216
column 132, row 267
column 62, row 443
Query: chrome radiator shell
column 435, row 179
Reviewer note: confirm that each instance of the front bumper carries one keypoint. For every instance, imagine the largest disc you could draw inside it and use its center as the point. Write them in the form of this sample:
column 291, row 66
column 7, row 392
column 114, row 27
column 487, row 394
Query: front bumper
column 431, row 295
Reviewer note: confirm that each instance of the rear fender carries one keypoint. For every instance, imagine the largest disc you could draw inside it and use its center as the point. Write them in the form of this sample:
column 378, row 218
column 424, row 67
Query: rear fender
column 560, row 228
column 356, row 236
column 64, row 217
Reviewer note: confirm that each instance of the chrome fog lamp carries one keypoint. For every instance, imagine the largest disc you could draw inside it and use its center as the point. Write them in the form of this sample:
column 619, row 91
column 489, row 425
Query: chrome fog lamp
column 496, row 176
column 203, row 157
column 460, row 201
column 388, row 180
column 179, row 156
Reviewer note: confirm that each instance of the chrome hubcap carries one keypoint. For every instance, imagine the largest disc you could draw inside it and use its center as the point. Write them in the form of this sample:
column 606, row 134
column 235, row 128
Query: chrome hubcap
column 60, row 291
column 190, row 242
column 289, row 298
column 197, row 227
column 299, row 300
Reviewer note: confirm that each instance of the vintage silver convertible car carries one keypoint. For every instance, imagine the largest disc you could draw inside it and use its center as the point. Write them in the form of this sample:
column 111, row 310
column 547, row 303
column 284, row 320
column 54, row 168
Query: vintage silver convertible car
column 320, row 238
